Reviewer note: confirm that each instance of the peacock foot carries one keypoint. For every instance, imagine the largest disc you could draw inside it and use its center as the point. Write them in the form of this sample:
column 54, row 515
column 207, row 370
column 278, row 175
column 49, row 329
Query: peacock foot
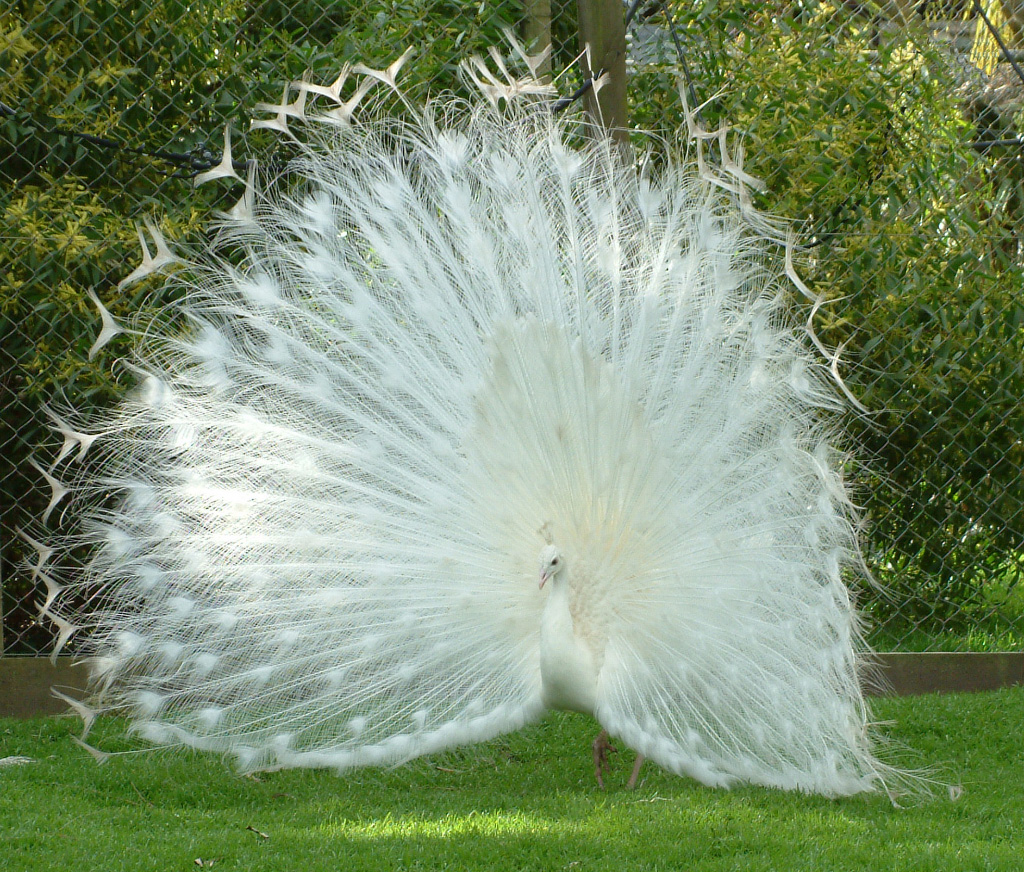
column 602, row 748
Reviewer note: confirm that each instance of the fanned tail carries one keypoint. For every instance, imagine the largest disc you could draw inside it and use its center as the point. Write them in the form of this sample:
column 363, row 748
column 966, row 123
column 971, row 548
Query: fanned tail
column 448, row 339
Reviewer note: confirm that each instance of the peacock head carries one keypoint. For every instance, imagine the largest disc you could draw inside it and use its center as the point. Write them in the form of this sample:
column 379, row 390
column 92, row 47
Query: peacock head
column 551, row 563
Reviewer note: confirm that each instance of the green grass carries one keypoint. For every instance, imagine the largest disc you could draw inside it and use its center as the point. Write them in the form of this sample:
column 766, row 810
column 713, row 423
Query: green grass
column 977, row 638
column 527, row 801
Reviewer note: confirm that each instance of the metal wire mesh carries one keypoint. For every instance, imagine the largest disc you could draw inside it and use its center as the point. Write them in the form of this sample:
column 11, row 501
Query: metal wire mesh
column 888, row 132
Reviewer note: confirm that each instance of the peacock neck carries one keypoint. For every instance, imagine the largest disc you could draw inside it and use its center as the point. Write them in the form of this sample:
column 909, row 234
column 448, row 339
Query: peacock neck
column 568, row 673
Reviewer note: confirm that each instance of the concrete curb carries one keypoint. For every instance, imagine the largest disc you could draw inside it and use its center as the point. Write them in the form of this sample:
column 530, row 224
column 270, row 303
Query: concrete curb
column 25, row 682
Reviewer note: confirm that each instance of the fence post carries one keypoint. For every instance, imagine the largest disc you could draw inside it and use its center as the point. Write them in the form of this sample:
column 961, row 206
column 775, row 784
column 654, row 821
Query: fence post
column 537, row 33
column 602, row 26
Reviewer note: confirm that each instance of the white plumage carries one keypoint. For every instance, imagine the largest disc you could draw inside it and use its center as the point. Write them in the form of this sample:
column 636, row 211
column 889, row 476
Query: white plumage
column 458, row 348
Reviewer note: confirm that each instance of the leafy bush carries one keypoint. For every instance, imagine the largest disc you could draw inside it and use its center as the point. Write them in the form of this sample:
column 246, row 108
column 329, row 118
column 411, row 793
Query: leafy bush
column 856, row 127
column 862, row 131
column 161, row 76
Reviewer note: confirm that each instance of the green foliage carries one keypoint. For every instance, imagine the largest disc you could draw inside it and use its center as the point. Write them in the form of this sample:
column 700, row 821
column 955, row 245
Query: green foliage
column 523, row 801
column 158, row 76
column 856, row 128
column 862, row 140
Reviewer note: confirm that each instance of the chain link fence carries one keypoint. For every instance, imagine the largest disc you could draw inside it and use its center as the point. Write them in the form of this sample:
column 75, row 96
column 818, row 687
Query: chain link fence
column 889, row 133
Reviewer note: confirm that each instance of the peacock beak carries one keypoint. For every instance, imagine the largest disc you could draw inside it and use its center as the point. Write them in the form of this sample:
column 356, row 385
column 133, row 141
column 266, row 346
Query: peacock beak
column 544, row 576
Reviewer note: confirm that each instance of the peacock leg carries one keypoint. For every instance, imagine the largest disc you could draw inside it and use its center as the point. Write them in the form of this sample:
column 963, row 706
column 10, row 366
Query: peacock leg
column 602, row 748
column 636, row 772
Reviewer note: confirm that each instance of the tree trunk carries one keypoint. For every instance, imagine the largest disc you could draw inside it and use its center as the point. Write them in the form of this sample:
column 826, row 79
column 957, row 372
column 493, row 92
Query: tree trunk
column 537, row 33
column 603, row 30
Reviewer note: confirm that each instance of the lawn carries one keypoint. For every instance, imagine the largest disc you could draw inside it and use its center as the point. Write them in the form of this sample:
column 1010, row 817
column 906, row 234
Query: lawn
column 526, row 801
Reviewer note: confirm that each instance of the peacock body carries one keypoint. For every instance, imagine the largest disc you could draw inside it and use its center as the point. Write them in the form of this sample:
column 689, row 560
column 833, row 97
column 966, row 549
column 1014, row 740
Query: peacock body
column 477, row 420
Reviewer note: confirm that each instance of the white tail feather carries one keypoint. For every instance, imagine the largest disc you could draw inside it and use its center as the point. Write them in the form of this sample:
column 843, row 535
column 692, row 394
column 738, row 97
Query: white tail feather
column 453, row 343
